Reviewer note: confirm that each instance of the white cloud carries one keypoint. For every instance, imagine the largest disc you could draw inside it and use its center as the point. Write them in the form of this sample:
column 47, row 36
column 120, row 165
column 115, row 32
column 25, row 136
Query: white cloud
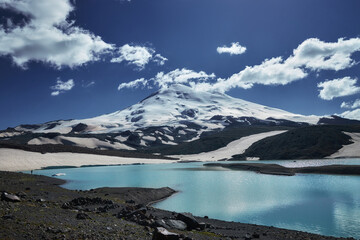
column 311, row 55
column 354, row 114
column 134, row 84
column 318, row 55
column 48, row 36
column 55, row 93
column 355, row 104
column 345, row 105
column 160, row 60
column 163, row 80
column 338, row 88
column 234, row 49
column 138, row 56
column 61, row 87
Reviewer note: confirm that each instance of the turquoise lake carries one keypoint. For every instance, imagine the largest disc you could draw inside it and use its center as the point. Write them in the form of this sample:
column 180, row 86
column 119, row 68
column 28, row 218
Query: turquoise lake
column 323, row 204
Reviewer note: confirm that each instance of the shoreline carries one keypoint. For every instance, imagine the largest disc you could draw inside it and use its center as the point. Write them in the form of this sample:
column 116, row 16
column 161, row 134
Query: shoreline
column 20, row 160
column 84, row 214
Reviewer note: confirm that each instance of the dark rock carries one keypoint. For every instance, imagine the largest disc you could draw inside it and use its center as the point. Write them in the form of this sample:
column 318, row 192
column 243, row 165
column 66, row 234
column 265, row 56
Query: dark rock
column 207, row 217
column 256, row 235
column 161, row 223
column 65, row 206
column 8, row 216
column 22, row 194
column 189, row 219
column 40, row 200
column 202, row 226
column 82, row 216
column 161, row 233
column 9, row 197
column 130, row 201
column 176, row 224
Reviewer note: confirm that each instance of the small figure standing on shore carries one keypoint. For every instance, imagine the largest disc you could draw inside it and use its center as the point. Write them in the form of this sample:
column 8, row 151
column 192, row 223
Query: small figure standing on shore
column 31, row 171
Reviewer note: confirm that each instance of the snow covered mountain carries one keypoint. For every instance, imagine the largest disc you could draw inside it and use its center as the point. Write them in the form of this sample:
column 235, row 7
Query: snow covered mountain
column 174, row 107
column 169, row 116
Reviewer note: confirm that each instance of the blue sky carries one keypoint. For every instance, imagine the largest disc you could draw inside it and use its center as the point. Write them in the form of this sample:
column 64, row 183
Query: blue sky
column 66, row 59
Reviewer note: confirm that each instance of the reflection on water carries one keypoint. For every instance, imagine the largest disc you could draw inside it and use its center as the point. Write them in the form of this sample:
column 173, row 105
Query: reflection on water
column 324, row 204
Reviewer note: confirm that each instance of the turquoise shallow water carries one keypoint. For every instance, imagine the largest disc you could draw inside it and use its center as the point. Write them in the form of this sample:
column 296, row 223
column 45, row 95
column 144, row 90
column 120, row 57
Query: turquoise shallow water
column 323, row 204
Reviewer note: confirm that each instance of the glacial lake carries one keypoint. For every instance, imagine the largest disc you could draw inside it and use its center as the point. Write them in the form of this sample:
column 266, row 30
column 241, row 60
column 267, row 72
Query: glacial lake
column 323, row 204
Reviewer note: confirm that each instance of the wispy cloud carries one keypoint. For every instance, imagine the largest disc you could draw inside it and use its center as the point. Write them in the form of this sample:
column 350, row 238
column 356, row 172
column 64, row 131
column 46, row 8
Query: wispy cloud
column 163, row 80
column 48, row 36
column 138, row 56
column 234, row 49
column 338, row 88
column 355, row 104
column 141, row 82
column 61, row 87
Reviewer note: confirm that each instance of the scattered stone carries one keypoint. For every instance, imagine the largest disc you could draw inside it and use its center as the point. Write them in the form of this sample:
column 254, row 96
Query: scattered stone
column 9, row 197
column 82, row 216
column 130, row 201
column 176, row 224
column 22, row 194
column 40, row 200
column 161, row 233
column 189, row 219
column 207, row 217
column 247, row 236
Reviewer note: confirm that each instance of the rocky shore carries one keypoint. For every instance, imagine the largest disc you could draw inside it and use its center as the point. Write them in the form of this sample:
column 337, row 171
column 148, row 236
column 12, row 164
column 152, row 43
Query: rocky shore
column 36, row 207
column 276, row 169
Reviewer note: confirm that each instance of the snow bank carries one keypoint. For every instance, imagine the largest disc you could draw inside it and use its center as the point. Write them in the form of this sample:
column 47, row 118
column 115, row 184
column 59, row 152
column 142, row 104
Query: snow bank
column 236, row 147
column 349, row 151
column 19, row 160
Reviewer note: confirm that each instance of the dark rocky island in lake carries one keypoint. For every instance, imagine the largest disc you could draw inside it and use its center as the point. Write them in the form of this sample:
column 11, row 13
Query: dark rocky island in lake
column 276, row 169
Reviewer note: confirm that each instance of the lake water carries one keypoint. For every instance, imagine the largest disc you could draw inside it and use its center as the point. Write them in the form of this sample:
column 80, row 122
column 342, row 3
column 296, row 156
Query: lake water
column 323, row 204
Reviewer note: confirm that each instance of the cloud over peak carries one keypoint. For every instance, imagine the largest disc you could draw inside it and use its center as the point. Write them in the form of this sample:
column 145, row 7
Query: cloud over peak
column 138, row 56
column 234, row 49
column 163, row 80
column 48, row 36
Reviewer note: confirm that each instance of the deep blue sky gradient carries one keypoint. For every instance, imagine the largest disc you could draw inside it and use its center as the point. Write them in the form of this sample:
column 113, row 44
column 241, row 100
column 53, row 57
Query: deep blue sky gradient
column 187, row 32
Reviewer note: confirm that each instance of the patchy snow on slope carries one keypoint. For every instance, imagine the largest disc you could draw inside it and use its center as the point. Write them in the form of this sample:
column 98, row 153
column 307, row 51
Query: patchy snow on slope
column 10, row 134
column 80, row 142
column 235, row 147
column 351, row 150
column 149, row 138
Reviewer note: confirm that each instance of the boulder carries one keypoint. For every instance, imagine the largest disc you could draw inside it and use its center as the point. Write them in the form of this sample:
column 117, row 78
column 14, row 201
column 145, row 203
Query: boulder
column 9, row 197
column 161, row 223
column 189, row 219
column 82, row 216
column 176, row 224
column 161, row 233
